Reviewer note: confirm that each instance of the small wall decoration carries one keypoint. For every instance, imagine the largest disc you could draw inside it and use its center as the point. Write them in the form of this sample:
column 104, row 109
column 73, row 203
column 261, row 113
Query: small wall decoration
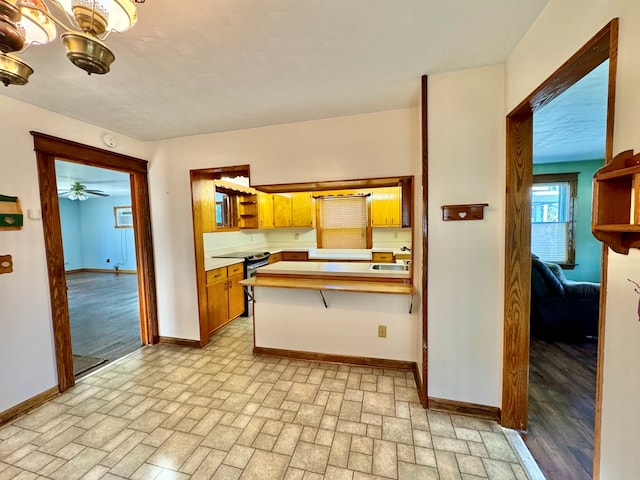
column 123, row 216
column 469, row 211
column 10, row 213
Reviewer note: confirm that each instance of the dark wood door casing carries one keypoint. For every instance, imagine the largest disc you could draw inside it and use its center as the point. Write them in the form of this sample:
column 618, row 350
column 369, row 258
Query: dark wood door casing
column 48, row 149
column 599, row 48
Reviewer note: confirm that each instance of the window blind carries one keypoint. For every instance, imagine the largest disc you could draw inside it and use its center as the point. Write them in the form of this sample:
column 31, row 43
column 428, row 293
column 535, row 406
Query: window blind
column 343, row 222
column 549, row 241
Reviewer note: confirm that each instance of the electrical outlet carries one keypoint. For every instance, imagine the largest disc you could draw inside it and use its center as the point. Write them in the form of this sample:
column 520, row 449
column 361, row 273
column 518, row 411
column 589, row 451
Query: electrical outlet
column 382, row 331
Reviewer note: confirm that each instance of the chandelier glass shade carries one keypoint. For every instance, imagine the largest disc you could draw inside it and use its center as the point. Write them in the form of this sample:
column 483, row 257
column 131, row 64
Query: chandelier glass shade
column 28, row 22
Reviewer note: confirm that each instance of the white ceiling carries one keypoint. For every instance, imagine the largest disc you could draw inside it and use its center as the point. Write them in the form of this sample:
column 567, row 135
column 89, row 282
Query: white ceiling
column 197, row 67
column 573, row 126
column 108, row 181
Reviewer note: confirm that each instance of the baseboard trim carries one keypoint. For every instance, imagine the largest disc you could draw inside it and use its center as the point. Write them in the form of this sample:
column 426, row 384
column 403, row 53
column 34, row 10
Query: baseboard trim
column 181, row 342
column 28, row 405
column 98, row 270
column 464, row 408
column 334, row 358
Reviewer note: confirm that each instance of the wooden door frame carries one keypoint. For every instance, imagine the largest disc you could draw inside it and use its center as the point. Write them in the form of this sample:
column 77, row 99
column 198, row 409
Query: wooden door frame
column 423, row 389
column 602, row 46
column 48, row 150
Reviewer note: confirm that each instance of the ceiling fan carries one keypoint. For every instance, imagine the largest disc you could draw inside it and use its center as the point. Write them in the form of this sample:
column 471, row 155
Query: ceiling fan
column 79, row 191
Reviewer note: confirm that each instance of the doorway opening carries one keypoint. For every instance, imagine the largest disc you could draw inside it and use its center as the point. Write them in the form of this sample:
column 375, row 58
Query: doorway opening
column 48, row 150
column 100, row 263
column 568, row 148
column 517, row 307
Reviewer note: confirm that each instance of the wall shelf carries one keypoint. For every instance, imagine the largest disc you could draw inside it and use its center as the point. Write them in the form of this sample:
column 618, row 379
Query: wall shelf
column 468, row 211
column 10, row 213
column 616, row 203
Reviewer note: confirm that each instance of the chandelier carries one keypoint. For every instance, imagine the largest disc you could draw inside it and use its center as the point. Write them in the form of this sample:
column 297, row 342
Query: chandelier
column 28, row 22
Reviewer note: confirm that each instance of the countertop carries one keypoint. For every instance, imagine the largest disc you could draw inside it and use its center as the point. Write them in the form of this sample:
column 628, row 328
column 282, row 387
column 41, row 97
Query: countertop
column 211, row 263
column 339, row 269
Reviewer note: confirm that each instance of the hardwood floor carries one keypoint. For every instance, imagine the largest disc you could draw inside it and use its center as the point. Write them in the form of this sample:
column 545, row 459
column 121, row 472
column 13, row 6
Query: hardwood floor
column 104, row 313
column 562, row 392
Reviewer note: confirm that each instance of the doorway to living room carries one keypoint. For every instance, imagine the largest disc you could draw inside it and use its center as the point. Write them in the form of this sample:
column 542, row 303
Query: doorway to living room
column 517, row 306
column 568, row 148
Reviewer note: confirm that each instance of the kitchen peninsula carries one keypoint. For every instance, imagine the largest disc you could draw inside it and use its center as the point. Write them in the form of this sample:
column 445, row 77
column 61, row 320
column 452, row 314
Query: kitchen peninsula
column 334, row 308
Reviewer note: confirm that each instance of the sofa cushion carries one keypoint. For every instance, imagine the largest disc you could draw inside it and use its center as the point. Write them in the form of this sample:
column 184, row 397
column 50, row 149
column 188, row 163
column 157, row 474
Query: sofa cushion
column 582, row 289
column 551, row 281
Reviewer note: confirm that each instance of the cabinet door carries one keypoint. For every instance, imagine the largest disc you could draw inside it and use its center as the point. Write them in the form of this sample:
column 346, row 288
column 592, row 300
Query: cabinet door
column 217, row 304
column 385, row 207
column 282, row 210
column 236, row 296
column 275, row 257
column 303, row 213
column 265, row 210
column 395, row 207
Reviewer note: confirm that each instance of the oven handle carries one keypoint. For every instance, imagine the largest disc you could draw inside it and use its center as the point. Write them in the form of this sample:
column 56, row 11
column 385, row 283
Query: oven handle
column 252, row 268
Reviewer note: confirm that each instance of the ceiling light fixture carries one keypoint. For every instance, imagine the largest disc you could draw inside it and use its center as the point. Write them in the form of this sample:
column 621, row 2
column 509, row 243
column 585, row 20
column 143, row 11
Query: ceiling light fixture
column 27, row 22
column 79, row 191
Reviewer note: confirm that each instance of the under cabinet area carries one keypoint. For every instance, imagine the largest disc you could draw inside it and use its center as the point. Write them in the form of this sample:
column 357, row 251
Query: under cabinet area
column 225, row 295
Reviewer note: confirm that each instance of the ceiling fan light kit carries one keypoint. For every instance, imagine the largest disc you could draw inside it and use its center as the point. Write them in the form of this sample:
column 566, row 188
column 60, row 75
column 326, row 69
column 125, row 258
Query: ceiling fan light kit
column 79, row 191
column 27, row 22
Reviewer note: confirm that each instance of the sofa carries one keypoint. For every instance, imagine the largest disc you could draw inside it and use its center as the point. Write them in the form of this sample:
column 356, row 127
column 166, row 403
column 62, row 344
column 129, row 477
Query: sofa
column 562, row 309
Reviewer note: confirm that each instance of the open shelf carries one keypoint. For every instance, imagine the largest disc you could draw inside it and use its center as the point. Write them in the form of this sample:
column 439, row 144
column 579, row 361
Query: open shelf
column 616, row 203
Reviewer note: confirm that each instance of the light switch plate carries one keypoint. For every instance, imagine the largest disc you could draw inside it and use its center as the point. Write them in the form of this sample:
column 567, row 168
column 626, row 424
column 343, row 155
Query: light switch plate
column 6, row 264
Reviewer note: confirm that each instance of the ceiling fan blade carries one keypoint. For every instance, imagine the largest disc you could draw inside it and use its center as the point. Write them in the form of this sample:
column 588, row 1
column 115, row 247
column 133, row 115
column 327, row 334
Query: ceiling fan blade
column 99, row 193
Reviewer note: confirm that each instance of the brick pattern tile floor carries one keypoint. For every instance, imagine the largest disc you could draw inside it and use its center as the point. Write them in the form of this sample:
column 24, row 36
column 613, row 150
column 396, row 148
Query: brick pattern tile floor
column 174, row 413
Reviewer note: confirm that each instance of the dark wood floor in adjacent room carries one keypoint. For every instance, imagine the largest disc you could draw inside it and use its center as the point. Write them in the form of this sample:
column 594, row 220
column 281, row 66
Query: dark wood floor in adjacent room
column 562, row 392
column 104, row 313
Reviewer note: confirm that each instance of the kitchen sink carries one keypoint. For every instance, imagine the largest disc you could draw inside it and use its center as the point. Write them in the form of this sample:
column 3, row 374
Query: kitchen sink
column 393, row 267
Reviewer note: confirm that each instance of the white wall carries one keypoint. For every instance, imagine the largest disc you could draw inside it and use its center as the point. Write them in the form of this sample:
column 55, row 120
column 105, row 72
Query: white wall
column 27, row 361
column 466, row 258
column 563, row 27
column 372, row 145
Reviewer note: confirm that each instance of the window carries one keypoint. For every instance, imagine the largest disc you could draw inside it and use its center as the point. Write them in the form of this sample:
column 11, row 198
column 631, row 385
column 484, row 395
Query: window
column 552, row 217
column 343, row 222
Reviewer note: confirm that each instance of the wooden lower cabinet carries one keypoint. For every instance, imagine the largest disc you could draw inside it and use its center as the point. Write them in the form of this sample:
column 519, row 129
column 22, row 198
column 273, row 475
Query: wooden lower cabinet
column 275, row 257
column 295, row 256
column 225, row 296
column 236, row 296
column 382, row 257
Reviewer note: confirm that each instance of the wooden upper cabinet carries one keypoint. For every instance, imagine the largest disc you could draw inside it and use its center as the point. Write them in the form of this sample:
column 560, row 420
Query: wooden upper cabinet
column 282, row 210
column 203, row 202
column 303, row 213
column 386, row 208
column 265, row 210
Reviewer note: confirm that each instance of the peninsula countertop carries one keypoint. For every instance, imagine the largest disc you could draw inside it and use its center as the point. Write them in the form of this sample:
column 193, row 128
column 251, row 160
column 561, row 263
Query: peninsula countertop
column 332, row 269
